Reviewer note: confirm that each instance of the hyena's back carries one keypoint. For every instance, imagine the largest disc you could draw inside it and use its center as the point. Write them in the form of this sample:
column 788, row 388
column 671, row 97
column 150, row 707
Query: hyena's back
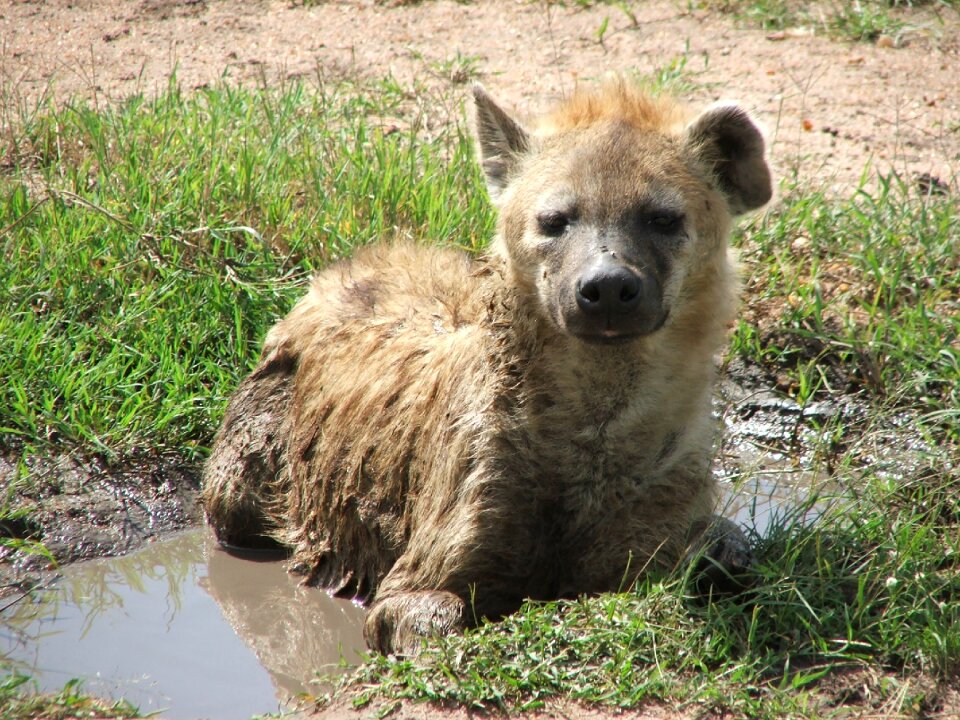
column 324, row 445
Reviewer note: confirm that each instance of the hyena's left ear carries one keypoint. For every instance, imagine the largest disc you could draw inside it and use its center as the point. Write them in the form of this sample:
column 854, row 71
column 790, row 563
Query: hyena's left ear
column 729, row 142
column 502, row 141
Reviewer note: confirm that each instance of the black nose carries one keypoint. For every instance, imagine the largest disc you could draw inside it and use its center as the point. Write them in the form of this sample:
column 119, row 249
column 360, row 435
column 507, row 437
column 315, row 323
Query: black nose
column 609, row 289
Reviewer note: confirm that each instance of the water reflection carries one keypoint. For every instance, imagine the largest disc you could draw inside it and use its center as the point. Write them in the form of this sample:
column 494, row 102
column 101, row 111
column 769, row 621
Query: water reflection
column 294, row 630
column 182, row 627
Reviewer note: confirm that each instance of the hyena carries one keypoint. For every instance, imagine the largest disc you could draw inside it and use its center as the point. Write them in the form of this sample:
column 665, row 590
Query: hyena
column 442, row 436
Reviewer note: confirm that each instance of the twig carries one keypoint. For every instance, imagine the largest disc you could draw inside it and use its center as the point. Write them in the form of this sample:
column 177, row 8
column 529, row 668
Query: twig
column 9, row 228
column 73, row 197
column 26, row 593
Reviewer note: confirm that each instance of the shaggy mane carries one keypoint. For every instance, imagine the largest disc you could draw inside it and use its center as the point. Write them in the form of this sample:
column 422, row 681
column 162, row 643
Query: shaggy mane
column 617, row 99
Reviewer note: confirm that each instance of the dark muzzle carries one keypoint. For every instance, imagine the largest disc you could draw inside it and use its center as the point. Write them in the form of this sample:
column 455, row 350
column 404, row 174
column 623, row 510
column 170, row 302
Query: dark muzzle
column 609, row 288
column 614, row 302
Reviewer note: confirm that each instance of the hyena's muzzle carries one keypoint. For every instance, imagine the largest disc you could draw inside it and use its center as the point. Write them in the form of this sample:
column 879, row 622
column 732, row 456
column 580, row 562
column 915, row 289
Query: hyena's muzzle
column 612, row 296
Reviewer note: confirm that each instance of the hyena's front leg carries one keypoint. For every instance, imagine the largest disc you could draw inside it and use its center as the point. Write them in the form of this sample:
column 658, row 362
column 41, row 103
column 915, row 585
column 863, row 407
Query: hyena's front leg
column 399, row 622
column 722, row 554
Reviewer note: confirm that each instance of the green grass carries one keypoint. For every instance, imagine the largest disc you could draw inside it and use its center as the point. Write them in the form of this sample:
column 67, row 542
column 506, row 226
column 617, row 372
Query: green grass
column 859, row 295
column 19, row 702
column 863, row 20
column 147, row 248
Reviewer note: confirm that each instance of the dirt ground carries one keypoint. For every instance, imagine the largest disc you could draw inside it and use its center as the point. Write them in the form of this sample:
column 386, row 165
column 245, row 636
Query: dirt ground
column 830, row 106
column 552, row 711
column 83, row 508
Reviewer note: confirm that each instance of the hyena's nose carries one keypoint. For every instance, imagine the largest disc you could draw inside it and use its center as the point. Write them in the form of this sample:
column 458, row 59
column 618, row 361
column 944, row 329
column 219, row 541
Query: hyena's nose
column 609, row 289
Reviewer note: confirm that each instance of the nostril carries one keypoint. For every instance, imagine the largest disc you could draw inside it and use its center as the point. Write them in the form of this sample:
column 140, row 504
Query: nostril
column 630, row 289
column 589, row 291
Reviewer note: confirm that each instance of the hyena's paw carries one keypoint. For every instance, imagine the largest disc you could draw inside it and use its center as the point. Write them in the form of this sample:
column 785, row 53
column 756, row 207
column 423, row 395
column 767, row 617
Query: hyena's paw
column 722, row 557
column 398, row 624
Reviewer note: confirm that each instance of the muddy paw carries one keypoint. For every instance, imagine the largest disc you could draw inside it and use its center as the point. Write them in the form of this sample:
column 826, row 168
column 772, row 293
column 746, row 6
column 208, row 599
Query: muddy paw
column 399, row 623
column 723, row 559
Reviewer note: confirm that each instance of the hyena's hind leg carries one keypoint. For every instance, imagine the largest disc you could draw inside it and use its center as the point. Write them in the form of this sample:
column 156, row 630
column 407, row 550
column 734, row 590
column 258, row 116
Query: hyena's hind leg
column 247, row 474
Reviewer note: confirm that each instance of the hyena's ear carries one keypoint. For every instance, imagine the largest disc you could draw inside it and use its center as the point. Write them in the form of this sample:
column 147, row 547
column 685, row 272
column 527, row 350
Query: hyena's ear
column 501, row 139
column 729, row 142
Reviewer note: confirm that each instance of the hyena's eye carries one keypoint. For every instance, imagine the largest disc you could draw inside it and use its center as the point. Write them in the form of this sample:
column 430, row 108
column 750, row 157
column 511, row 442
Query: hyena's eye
column 665, row 222
column 552, row 222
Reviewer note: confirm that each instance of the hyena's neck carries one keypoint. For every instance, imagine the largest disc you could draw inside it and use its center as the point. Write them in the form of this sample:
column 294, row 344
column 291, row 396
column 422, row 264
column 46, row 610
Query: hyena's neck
column 654, row 385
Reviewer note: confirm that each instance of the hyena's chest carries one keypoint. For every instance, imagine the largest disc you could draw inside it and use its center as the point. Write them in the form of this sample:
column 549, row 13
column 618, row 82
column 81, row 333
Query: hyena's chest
column 589, row 485
column 584, row 519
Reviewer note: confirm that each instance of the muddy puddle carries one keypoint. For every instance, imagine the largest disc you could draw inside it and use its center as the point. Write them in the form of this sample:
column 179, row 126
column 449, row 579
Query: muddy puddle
column 185, row 628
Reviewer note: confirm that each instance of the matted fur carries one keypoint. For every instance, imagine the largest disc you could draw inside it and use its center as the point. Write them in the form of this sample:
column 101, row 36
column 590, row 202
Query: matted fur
column 429, row 432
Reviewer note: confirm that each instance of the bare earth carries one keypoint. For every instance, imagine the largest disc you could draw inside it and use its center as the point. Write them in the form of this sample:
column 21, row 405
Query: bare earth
column 831, row 107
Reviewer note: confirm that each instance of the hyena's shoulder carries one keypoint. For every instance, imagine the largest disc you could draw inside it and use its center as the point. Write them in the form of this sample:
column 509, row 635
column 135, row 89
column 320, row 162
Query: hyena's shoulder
column 386, row 292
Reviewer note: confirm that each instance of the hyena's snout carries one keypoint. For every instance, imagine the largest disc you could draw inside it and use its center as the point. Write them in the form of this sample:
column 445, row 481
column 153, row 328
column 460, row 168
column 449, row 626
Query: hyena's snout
column 614, row 301
column 609, row 288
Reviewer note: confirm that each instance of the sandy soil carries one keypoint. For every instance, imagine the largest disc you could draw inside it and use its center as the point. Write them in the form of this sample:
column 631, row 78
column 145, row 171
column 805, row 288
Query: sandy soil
column 830, row 106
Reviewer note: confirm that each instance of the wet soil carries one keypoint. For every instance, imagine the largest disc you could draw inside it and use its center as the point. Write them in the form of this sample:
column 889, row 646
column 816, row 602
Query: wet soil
column 80, row 508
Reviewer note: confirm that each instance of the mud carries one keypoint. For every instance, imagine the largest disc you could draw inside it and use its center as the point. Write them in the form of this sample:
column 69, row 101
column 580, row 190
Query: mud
column 769, row 435
column 81, row 508
column 185, row 628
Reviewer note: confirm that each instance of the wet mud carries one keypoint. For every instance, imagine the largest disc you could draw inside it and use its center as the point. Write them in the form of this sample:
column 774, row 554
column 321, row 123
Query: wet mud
column 768, row 441
column 183, row 627
column 774, row 457
column 82, row 508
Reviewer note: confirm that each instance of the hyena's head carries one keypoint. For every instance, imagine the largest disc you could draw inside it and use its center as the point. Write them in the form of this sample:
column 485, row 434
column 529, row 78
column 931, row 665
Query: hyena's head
column 617, row 207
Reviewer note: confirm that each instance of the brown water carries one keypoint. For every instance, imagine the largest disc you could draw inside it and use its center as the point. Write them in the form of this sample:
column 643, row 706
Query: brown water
column 183, row 627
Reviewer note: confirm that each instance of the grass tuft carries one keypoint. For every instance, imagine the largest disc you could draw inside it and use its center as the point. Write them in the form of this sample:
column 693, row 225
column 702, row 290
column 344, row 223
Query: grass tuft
column 858, row 296
column 17, row 702
column 860, row 21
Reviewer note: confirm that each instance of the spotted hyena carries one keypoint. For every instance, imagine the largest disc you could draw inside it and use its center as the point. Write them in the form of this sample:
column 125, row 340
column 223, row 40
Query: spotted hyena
column 444, row 436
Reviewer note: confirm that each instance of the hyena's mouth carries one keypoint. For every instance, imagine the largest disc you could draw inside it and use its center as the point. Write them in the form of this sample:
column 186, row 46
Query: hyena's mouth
column 619, row 333
column 610, row 337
